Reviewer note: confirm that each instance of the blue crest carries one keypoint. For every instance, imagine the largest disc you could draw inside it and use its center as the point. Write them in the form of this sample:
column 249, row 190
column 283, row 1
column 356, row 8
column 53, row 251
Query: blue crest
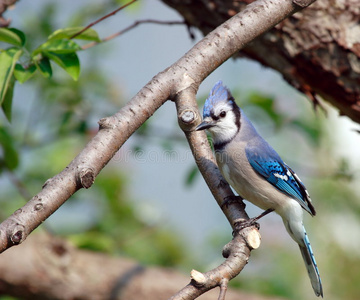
column 217, row 94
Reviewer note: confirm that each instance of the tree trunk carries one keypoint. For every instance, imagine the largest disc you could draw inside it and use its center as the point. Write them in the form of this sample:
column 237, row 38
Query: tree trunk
column 317, row 50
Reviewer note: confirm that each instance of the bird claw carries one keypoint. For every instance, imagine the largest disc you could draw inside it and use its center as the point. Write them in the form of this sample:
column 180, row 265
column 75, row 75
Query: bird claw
column 240, row 225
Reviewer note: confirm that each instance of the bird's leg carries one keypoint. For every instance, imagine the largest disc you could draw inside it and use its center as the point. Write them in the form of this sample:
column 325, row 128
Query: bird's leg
column 253, row 221
column 231, row 200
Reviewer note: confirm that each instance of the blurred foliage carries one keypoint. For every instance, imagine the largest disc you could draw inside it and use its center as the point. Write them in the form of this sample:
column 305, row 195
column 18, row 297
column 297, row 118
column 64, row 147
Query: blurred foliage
column 52, row 126
column 20, row 63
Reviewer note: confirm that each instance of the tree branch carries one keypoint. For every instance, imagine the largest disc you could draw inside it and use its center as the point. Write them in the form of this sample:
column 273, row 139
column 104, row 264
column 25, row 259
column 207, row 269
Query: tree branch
column 179, row 82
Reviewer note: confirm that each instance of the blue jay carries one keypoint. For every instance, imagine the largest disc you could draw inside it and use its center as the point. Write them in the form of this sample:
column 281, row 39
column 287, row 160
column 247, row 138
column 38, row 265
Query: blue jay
column 256, row 172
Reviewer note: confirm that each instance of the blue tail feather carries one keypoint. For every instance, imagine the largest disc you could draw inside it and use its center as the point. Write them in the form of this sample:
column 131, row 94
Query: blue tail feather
column 311, row 266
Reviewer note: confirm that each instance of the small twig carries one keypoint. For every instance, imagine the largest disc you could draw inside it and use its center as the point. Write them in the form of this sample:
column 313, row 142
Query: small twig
column 223, row 289
column 110, row 37
column 102, row 18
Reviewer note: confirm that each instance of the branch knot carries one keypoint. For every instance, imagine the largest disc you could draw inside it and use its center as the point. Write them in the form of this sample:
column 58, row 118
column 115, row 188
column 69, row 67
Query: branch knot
column 17, row 234
column 106, row 123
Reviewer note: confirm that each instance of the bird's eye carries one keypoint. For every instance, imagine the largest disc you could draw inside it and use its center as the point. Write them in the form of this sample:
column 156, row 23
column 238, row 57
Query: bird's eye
column 223, row 114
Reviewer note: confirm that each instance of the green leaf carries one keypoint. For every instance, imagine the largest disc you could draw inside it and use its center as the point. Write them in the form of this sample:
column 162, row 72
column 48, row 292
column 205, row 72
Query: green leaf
column 10, row 155
column 20, row 34
column 12, row 36
column 23, row 74
column 57, row 46
column 66, row 33
column 8, row 59
column 7, row 103
column 44, row 67
column 69, row 62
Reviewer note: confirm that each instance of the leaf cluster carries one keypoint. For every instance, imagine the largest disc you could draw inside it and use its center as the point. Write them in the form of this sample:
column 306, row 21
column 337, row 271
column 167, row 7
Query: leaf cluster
column 18, row 63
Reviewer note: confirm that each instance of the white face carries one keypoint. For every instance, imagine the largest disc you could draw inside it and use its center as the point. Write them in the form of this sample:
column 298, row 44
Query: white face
column 225, row 120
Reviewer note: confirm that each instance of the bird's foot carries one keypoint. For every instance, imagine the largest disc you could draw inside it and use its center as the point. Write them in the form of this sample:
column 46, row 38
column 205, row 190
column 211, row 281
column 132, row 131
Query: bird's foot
column 240, row 225
column 251, row 222
column 231, row 200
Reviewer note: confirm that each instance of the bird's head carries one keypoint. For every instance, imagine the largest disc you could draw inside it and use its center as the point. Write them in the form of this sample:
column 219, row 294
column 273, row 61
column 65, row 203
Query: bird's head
column 221, row 115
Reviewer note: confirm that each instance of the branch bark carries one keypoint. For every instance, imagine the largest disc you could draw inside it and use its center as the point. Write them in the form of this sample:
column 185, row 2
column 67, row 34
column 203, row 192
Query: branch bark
column 316, row 50
column 179, row 83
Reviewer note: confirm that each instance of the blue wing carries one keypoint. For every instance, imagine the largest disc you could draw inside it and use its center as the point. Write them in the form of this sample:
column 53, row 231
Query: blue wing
column 266, row 162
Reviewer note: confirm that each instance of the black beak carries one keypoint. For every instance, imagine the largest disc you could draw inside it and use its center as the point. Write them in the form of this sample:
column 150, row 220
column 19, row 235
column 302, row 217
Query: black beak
column 204, row 125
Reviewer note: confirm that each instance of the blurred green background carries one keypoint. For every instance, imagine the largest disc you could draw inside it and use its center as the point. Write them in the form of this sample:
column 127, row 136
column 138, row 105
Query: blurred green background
column 171, row 219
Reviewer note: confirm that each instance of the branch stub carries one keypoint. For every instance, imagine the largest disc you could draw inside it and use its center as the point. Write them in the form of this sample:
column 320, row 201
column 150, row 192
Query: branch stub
column 86, row 177
column 252, row 237
column 198, row 277
column 188, row 116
